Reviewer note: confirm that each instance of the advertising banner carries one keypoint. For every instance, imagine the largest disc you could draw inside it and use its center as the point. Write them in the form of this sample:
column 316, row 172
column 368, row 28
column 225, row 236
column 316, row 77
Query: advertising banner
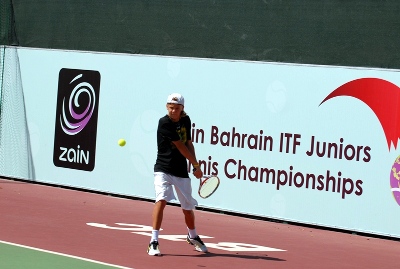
column 310, row 144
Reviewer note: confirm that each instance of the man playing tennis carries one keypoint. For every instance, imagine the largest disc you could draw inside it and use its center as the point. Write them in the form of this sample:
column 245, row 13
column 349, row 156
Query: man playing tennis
column 175, row 147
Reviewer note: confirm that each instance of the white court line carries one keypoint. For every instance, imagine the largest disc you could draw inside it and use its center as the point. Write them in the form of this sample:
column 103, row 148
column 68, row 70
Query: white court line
column 65, row 255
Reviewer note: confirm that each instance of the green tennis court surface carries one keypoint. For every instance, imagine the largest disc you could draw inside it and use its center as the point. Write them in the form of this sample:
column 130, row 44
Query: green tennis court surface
column 21, row 257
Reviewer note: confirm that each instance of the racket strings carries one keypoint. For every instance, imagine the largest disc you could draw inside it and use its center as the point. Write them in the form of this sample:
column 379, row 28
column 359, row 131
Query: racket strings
column 208, row 187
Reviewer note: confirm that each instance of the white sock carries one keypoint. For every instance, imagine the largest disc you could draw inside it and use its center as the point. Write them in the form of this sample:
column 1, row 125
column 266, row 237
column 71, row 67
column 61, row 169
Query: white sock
column 154, row 235
column 192, row 233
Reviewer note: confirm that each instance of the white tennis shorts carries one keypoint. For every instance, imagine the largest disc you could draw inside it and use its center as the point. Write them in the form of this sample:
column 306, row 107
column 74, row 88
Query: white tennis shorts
column 164, row 191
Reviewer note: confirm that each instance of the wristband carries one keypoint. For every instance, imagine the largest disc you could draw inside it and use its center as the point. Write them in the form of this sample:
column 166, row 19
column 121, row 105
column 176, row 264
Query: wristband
column 196, row 165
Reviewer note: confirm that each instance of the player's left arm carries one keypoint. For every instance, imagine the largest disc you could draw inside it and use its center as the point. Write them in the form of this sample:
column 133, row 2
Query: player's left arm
column 187, row 150
column 198, row 173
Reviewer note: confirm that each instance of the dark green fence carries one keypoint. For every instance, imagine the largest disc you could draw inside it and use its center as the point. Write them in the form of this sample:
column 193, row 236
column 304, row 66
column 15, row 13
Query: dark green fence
column 336, row 32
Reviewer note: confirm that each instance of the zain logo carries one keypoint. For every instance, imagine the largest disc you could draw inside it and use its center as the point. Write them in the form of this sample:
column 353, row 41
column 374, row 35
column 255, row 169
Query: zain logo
column 78, row 119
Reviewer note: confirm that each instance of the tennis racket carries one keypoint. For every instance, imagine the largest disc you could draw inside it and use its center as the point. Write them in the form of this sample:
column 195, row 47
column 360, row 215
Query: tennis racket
column 208, row 186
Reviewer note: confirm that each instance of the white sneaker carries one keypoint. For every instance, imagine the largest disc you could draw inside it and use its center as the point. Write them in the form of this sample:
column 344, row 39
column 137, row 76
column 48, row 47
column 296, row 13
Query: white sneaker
column 198, row 244
column 154, row 249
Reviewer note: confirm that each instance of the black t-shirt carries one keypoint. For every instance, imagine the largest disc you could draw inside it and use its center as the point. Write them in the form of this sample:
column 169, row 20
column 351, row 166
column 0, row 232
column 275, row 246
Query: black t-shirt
column 169, row 159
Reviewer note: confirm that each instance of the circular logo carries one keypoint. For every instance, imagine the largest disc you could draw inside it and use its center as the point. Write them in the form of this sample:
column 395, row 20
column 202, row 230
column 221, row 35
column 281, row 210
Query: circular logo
column 75, row 115
column 395, row 180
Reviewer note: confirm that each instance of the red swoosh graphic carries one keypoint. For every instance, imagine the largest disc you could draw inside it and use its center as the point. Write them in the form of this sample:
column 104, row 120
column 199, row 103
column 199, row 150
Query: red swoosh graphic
column 382, row 96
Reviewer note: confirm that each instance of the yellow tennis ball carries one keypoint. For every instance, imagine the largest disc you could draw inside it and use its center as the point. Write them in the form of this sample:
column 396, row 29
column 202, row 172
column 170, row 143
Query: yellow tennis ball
column 121, row 142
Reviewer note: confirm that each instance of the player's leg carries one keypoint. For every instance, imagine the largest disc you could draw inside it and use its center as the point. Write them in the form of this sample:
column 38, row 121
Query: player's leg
column 189, row 219
column 164, row 193
column 193, row 238
column 158, row 213
column 183, row 190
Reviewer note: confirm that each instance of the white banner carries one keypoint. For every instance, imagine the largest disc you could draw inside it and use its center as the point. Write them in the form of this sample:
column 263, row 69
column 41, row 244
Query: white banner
column 311, row 144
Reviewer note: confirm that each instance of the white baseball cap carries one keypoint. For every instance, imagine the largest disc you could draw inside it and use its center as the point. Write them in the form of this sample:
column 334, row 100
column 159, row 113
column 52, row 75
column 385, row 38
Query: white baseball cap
column 176, row 98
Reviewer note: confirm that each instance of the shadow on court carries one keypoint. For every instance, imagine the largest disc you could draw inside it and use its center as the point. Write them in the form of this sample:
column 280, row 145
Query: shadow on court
column 227, row 255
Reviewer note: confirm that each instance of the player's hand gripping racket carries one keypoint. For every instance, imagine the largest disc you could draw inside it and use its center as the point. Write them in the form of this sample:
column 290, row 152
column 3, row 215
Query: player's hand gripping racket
column 208, row 186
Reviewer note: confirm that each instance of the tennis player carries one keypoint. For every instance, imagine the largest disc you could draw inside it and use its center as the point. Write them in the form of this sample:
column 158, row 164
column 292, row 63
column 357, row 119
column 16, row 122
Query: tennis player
column 175, row 147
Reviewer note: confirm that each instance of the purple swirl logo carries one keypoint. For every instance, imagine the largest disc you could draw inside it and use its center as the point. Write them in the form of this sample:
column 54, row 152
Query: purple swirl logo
column 395, row 180
column 76, row 119
column 82, row 91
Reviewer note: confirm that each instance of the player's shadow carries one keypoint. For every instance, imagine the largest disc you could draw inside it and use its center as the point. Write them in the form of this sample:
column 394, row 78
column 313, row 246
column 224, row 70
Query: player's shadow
column 228, row 255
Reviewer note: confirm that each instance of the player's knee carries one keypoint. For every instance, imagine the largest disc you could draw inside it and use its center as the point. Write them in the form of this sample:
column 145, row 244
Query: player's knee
column 161, row 203
column 187, row 211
